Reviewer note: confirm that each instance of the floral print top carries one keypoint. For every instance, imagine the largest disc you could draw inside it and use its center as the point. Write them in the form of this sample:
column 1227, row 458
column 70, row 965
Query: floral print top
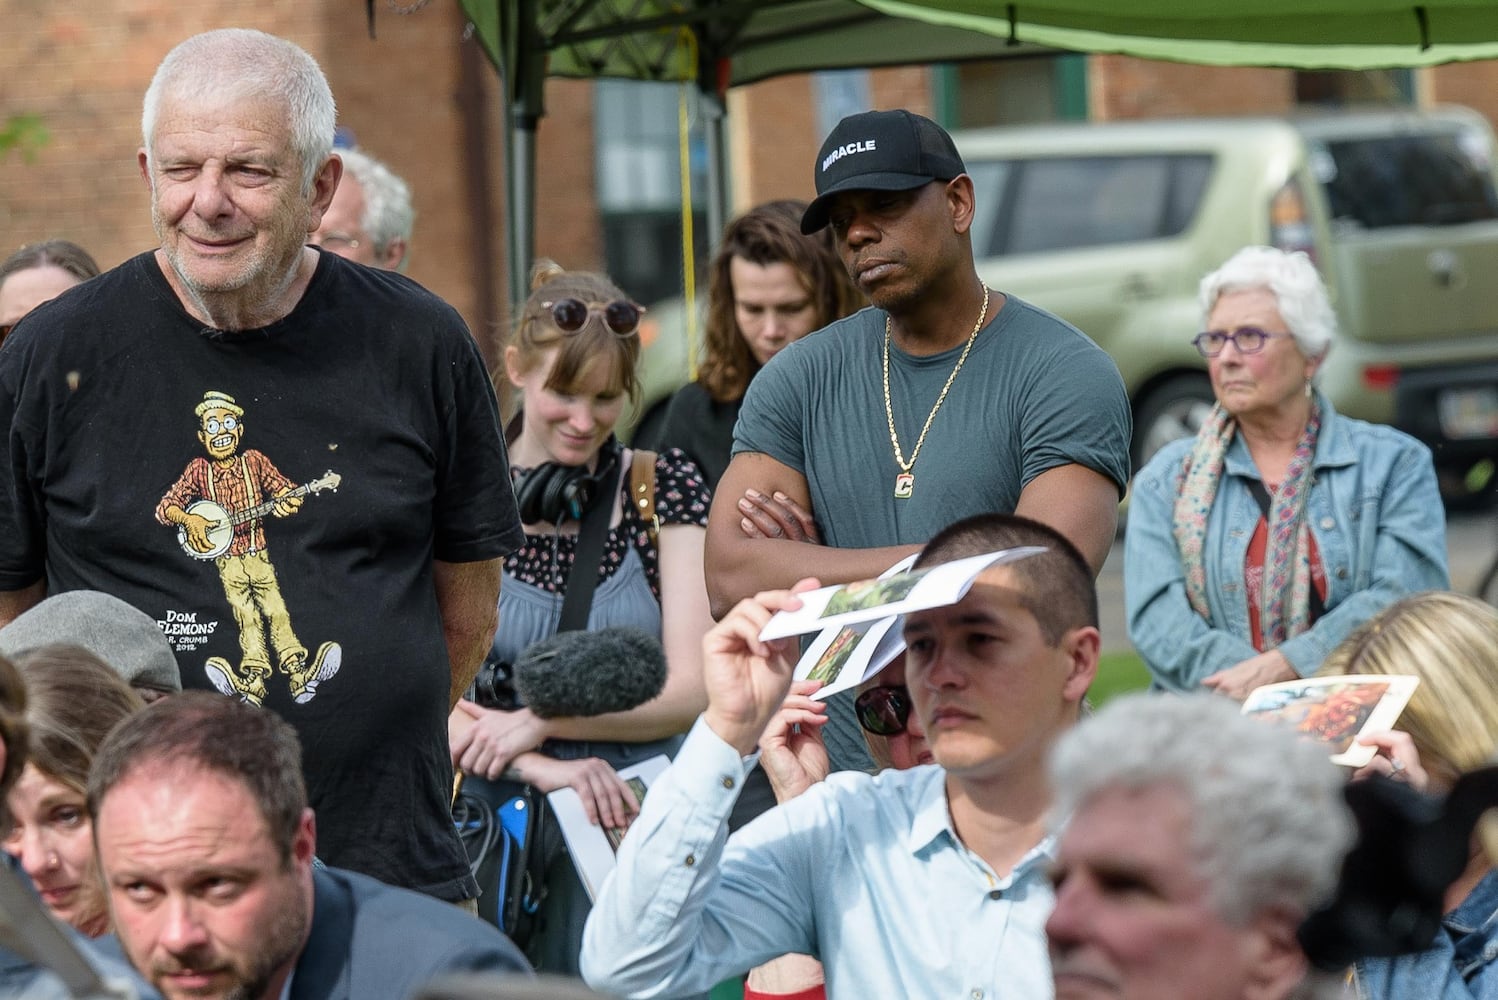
column 681, row 497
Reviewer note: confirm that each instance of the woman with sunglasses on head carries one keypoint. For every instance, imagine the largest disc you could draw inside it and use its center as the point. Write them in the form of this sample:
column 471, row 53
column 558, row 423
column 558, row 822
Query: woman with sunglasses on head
column 1256, row 546
column 572, row 359
column 793, row 757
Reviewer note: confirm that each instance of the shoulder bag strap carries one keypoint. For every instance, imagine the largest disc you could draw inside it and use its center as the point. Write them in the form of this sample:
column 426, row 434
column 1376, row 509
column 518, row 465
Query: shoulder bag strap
column 583, row 579
column 642, row 490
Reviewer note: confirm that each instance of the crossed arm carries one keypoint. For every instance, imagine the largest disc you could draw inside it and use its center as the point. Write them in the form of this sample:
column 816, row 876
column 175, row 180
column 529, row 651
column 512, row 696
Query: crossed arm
column 748, row 552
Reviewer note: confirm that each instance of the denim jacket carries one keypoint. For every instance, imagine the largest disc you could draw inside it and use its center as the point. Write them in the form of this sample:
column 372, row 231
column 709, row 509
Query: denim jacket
column 1374, row 511
column 1458, row 966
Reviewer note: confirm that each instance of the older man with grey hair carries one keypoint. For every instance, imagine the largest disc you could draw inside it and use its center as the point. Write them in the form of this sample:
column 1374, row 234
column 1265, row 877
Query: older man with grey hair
column 234, row 392
column 1195, row 842
column 370, row 219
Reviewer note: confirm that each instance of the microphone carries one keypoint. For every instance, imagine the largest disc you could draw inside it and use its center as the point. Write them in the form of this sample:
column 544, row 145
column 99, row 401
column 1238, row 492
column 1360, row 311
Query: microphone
column 590, row 673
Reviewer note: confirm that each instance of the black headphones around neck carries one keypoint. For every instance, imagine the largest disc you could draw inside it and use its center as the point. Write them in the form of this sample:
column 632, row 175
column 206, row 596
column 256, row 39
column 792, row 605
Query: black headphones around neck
column 559, row 493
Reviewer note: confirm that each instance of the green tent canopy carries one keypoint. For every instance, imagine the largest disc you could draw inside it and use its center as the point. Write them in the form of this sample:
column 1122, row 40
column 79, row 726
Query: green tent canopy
column 723, row 43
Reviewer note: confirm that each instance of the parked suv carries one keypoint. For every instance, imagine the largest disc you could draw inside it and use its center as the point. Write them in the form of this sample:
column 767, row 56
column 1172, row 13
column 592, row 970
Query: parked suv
column 1111, row 226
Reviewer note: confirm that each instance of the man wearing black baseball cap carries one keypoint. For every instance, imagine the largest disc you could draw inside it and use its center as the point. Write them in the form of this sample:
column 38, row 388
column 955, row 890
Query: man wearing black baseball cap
column 944, row 400
column 880, row 151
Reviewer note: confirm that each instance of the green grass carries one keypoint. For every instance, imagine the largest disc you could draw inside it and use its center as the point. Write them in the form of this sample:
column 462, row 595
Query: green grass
column 1118, row 673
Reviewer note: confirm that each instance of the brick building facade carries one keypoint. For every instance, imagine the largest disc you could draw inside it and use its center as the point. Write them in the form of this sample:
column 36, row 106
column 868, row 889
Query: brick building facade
column 422, row 97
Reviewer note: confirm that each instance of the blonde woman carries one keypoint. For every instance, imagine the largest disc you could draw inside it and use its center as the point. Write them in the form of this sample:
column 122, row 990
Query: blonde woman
column 572, row 359
column 1449, row 641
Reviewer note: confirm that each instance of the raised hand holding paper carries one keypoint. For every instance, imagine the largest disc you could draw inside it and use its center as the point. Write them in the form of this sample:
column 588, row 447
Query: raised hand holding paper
column 869, row 600
column 844, row 656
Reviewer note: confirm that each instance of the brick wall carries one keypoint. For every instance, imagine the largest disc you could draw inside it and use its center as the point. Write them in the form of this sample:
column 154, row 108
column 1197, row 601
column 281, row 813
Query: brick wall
column 773, row 140
column 567, row 228
column 1124, row 87
column 85, row 72
column 1474, row 84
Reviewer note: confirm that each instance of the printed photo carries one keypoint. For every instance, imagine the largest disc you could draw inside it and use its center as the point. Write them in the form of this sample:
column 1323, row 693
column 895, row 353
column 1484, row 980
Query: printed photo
column 864, row 594
column 616, row 833
column 836, row 656
column 1334, row 711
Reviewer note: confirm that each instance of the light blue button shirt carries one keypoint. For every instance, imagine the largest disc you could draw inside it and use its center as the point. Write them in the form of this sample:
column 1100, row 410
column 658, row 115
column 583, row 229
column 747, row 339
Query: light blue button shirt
column 865, row 873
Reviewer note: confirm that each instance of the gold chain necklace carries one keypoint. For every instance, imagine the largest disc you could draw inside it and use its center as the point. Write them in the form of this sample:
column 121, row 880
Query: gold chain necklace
column 905, row 481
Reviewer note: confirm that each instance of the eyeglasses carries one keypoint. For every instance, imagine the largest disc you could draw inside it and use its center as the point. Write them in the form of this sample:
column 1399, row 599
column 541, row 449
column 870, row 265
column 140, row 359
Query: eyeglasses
column 337, row 241
column 1248, row 340
column 571, row 315
column 883, row 710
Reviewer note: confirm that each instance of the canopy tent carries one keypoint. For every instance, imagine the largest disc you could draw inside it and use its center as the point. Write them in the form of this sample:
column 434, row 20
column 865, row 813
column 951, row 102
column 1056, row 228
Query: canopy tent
column 723, row 43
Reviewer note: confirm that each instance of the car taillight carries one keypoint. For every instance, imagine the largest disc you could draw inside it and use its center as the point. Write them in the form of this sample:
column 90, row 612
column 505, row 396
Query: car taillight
column 1381, row 378
column 1289, row 224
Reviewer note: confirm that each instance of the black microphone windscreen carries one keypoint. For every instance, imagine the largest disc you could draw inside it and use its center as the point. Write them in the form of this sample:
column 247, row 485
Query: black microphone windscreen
column 591, row 673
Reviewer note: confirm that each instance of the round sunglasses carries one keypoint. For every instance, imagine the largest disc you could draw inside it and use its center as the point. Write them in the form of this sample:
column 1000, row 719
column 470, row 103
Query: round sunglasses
column 883, row 710
column 571, row 315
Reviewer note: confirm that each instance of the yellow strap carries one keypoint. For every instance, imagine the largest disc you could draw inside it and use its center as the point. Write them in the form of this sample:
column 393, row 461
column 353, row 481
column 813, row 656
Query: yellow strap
column 688, row 257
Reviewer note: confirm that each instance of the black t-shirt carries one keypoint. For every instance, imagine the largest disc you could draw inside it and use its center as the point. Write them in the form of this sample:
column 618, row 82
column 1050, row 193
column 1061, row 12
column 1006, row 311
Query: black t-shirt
column 371, row 382
column 702, row 427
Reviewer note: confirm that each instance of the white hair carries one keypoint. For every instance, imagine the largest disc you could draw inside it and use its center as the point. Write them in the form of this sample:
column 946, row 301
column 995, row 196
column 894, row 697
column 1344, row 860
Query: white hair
column 388, row 215
column 241, row 64
column 1269, row 826
column 1297, row 288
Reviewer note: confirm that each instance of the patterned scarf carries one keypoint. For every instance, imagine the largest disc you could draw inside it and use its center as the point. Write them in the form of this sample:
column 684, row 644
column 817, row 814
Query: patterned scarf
column 1285, row 601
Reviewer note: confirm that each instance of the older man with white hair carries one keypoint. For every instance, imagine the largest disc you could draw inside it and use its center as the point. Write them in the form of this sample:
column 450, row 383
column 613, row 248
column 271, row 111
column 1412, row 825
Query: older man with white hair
column 351, row 429
column 1195, row 841
column 370, row 219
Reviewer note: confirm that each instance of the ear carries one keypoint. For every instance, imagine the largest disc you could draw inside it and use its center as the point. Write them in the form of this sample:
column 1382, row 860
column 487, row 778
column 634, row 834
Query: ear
column 395, row 252
column 1082, row 647
column 512, row 367
column 145, row 166
column 960, row 202
column 1274, row 961
column 304, row 840
column 323, row 186
column 1313, row 365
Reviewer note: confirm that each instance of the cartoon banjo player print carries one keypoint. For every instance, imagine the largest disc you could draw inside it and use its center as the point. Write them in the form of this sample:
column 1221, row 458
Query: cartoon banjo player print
column 218, row 505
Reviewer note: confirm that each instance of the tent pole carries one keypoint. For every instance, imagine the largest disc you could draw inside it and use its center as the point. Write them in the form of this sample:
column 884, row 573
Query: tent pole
column 520, row 213
column 714, row 128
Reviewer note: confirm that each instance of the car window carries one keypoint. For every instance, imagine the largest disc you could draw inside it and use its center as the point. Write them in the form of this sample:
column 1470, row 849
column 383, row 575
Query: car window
column 1069, row 202
column 990, row 178
column 1436, row 179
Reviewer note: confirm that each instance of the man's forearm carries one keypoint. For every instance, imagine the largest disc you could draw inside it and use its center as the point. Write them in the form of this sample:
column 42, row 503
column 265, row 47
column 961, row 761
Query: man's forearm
column 468, row 600
column 14, row 602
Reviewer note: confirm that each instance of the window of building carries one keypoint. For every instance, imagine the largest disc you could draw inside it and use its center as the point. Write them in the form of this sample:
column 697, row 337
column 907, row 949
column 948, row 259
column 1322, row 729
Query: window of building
column 1342, row 87
column 637, row 146
column 1013, row 91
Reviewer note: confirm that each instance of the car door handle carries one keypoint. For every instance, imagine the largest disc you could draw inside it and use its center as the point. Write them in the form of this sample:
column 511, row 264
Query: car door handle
column 1446, row 269
column 1137, row 287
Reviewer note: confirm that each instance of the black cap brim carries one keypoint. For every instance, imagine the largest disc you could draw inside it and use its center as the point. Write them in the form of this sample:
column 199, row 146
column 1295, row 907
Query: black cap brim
column 815, row 216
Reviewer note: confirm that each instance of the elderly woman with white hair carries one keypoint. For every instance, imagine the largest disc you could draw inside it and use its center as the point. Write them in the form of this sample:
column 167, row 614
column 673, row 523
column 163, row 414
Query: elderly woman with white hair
column 1258, row 545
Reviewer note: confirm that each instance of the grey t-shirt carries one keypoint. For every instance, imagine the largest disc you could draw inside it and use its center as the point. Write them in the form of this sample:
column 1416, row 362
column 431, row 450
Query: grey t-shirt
column 1034, row 394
